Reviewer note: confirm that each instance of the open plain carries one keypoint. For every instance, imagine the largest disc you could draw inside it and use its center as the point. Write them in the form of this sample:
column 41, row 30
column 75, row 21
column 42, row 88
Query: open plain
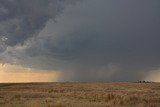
column 74, row 94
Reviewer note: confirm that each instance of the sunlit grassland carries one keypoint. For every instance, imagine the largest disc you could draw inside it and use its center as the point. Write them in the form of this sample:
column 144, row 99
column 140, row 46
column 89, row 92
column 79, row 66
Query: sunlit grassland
column 80, row 94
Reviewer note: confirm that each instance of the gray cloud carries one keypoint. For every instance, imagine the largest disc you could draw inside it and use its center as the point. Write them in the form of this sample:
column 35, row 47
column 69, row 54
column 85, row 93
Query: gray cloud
column 89, row 41
column 21, row 20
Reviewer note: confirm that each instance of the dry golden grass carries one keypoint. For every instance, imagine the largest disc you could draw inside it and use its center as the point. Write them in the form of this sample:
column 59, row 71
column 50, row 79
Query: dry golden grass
column 80, row 95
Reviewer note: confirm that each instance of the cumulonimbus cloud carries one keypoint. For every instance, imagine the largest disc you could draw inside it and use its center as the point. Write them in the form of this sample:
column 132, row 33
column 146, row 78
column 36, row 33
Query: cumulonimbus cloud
column 90, row 41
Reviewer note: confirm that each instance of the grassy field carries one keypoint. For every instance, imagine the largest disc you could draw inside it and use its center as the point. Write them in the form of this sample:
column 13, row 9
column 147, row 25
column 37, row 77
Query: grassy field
column 80, row 95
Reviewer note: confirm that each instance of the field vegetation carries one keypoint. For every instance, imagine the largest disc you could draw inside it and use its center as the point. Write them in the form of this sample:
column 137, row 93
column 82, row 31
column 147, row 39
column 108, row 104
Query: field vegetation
column 80, row 94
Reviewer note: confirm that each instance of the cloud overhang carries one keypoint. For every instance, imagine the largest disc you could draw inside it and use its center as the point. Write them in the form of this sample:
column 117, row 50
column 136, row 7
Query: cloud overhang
column 84, row 40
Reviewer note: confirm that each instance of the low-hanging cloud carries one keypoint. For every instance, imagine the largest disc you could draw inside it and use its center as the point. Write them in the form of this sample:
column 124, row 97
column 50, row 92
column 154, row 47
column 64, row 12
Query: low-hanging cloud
column 21, row 20
column 89, row 41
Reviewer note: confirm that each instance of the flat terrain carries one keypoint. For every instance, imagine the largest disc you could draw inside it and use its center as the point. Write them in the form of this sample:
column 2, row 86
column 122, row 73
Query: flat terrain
column 80, row 95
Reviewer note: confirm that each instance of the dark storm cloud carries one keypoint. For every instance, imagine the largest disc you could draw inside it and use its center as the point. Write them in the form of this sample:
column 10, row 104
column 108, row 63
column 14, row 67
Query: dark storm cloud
column 22, row 19
column 94, row 41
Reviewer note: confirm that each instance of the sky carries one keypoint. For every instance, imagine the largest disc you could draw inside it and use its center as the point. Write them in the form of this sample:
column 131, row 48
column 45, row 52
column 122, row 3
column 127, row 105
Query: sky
column 79, row 40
